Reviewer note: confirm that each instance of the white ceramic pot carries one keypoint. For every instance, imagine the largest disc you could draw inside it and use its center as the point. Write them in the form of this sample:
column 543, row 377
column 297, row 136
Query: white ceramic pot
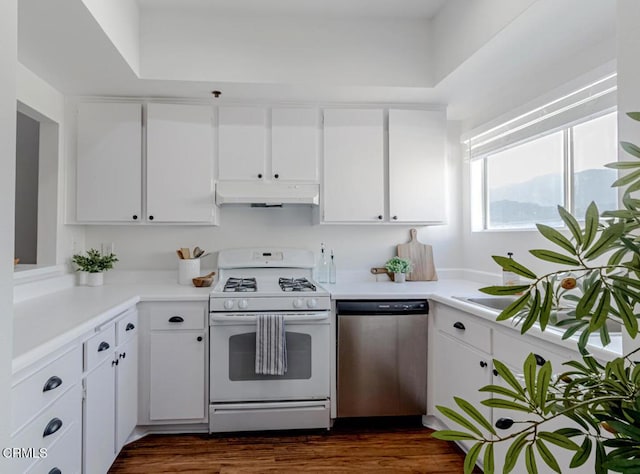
column 399, row 277
column 187, row 270
column 95, row 279
column 82, row 278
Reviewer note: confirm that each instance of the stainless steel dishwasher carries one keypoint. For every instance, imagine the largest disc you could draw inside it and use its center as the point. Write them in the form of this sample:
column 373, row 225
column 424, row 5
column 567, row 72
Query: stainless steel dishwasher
column 382, row 357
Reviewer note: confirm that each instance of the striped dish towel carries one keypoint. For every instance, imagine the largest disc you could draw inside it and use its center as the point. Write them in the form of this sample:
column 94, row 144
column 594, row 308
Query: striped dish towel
column 271, row 345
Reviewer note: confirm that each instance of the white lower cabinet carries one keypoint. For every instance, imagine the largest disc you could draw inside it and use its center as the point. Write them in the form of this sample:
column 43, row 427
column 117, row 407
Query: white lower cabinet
column 174, row 363
column 110, row 414
column 462, row 347
column 459, row 367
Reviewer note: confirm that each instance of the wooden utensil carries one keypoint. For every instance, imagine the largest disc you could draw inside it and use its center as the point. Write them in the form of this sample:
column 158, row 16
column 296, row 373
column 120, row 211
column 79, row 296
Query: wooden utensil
column 180, row 256
column 421, row 256
column 186, row 253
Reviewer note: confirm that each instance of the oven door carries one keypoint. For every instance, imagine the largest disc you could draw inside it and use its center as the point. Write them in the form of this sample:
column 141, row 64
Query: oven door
column 233, row 354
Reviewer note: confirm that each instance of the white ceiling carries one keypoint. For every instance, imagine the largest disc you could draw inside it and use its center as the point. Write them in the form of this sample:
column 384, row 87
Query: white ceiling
column 414, row 9
column 548, row 45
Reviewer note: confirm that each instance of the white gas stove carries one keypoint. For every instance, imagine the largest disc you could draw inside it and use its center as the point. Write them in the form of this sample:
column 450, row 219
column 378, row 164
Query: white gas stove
column 267, row 279
column 268, row 282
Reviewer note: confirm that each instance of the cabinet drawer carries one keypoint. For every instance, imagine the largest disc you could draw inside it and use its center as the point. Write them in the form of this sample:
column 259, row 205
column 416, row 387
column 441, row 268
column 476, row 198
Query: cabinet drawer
column 127, row 327
column 65, row 454
column 178, row 316
column 464, row 327
column 99, row 347
column 50, row 426
column 513, row 349
column 40, row 389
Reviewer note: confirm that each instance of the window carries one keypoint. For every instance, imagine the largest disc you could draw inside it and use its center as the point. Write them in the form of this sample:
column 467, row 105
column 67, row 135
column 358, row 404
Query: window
column 521, row 185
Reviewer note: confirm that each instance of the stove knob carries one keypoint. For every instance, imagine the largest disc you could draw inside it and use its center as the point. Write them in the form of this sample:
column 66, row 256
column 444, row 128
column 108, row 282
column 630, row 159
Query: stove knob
column 243, row 304
column 298, row 302
column 228, row 304
column 312, row 303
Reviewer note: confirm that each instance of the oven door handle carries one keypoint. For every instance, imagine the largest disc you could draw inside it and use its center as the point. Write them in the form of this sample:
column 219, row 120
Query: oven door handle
column 243, row 317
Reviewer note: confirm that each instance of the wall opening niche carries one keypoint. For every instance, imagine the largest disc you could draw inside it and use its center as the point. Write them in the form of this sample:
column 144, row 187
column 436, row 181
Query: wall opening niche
column 36, row 204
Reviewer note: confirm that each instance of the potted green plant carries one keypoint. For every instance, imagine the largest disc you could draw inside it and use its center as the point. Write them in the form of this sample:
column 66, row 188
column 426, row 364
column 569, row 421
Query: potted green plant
column 399, row 267
column 599, row 279
column 94, row 264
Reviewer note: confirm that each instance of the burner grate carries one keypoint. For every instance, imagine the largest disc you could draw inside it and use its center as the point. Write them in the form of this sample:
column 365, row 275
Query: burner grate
column 296, row 284
column 241, row 285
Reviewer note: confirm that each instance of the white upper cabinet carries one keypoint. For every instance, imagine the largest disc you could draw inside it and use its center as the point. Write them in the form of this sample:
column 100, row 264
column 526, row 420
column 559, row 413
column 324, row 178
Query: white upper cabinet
column 353, row 165
column 417, row 153
column 109, row 163
column 241, row 143
column 180, row 163
column 294, row 144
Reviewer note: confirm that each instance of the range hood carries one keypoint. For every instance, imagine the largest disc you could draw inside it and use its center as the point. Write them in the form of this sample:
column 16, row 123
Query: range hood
column 267, row 193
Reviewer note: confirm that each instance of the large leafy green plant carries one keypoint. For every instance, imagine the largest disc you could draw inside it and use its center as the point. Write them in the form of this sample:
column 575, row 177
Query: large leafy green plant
column 599, row 280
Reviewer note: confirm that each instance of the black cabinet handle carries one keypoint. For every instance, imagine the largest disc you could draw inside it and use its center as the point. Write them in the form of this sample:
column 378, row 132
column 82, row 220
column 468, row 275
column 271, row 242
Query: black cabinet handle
column 260, row 176
column 103, row 346
column 55, row 470
column 539, row 359
column 130, row 326
column 135, row 217
column 114, row 363
column 150, row 218
column 176, row 319
column 123, row 355
column 53, row 383
column 380, row 217
column 459, row 325
column 495, row 372
column 483, row 364
column 276, row 175
column 199, row 338
column 53, row 426
column 395, row 218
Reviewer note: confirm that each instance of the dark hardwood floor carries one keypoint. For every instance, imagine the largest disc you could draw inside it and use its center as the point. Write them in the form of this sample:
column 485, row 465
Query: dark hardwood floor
column 351, row 446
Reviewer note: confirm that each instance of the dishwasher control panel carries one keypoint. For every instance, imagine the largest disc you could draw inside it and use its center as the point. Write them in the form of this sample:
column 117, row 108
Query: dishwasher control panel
column 372, row 307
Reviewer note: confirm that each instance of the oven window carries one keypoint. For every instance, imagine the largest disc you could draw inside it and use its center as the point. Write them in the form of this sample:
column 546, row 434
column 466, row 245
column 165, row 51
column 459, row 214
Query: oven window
column 242, row 358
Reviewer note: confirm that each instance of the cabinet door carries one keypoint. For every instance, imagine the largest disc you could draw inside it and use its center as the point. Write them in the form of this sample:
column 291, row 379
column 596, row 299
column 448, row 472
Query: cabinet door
column 177, row 385
column 417, row 154
column 109, row 163
column 353, row 165
column 126, row 391
column 100, row 418
column 294, row 144
column 179, row 163
column 460, row 371
column 241, row 143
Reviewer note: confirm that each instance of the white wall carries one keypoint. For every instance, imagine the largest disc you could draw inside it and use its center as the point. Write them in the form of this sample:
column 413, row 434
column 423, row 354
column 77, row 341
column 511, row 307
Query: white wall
column 357, row 247
column 200, row 46
column 462, row 27
column 8, row 60
column 120, row 20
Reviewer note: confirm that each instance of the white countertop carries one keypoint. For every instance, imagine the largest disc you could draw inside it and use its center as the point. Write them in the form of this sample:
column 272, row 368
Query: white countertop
column 47, row 323
column 44, row 324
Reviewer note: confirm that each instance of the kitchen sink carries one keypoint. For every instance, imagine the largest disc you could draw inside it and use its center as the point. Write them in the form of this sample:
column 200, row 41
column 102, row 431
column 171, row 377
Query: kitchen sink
column 499, row 303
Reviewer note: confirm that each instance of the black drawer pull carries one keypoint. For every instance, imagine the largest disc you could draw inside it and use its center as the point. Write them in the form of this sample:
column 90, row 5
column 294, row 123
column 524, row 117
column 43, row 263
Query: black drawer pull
column 53, row 383
column 55, row 470
column 495, row 372
column 539, row 359
column 459, row 325
column 123, row 355
column 130, row 326
column 53, row 426
column 103, row 346
column 176, row 319
column 483, row 364
column 199, row 338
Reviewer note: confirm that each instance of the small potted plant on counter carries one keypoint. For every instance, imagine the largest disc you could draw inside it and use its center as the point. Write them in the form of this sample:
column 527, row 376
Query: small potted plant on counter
column 399, row 267
column 94, row 264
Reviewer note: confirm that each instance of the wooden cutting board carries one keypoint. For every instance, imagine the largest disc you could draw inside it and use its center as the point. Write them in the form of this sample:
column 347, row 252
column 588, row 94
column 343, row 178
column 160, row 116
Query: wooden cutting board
column 421, row 257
